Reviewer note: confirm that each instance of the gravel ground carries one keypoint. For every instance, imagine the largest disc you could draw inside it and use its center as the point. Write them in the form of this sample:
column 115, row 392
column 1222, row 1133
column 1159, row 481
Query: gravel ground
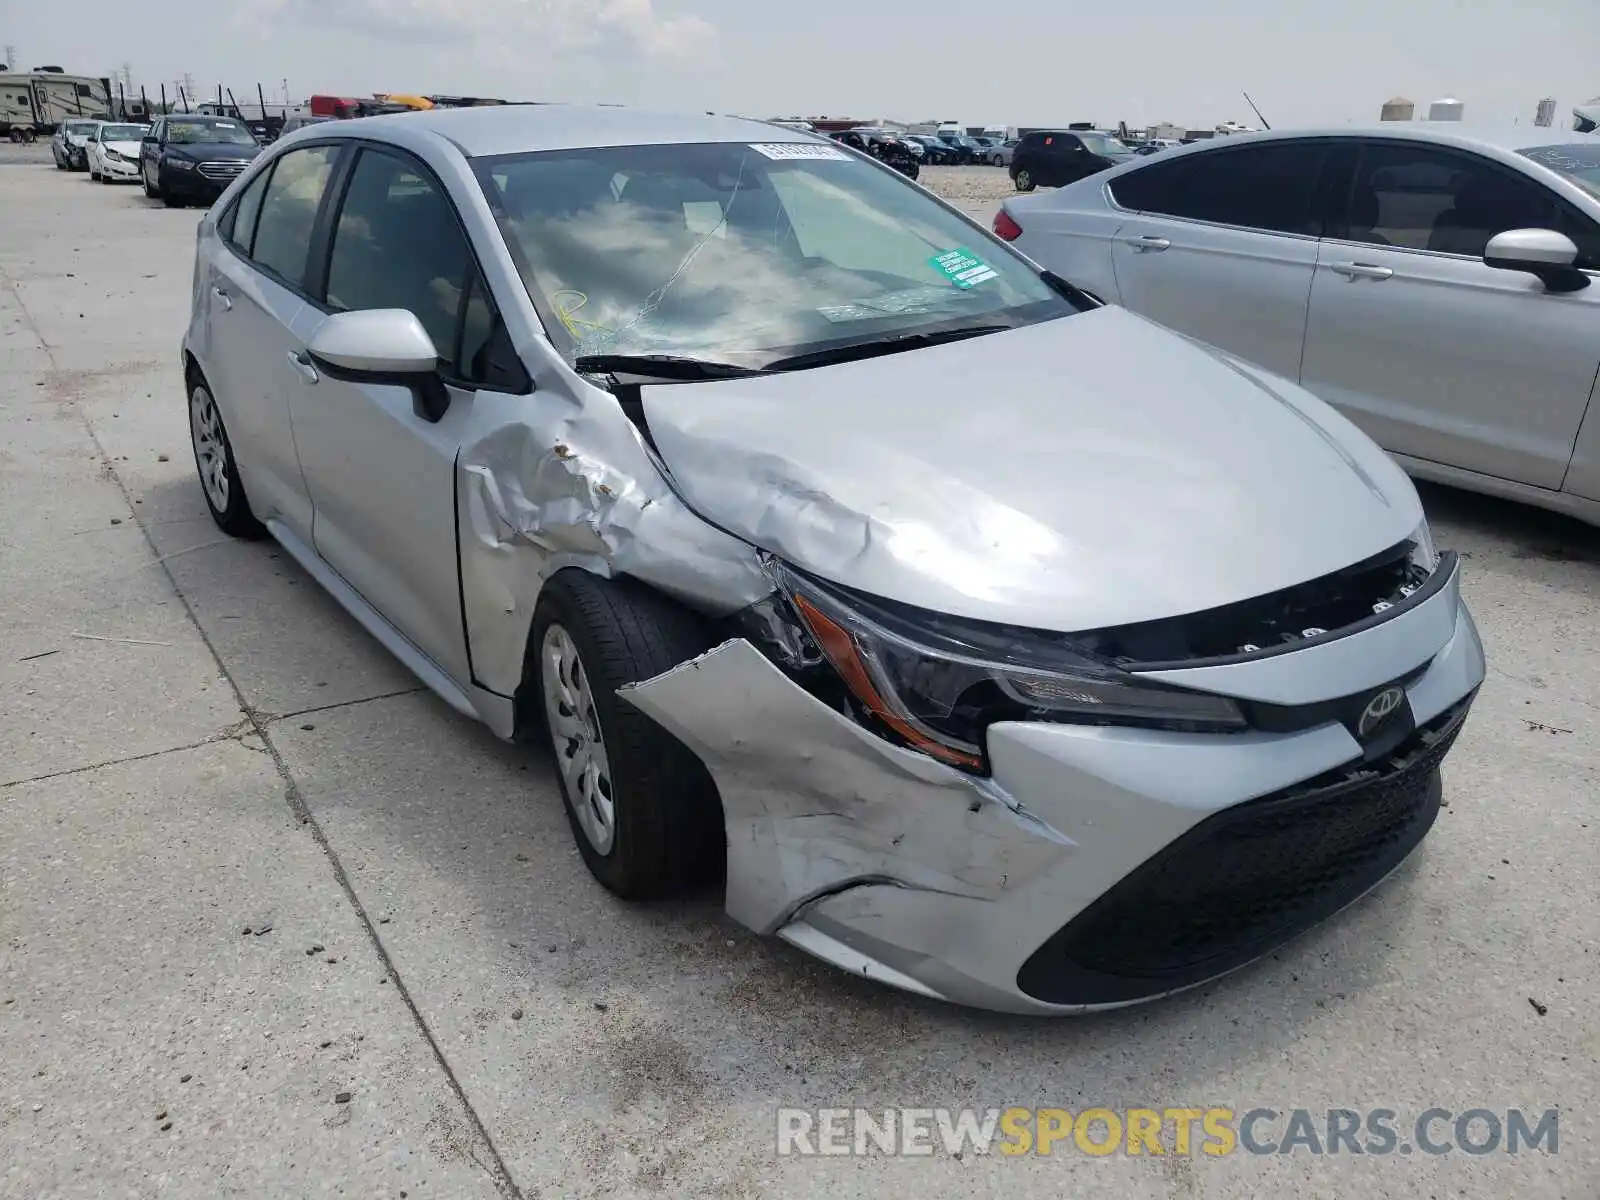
column 276, row 922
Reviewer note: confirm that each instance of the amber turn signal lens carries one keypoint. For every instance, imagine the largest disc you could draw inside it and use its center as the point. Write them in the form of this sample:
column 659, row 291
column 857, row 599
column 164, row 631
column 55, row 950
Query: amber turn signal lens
column 835, row 641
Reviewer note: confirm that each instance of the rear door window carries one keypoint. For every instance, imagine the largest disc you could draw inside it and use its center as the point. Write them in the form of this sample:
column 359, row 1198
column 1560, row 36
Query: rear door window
column 289, row 210
column 1265, row 187
column 238, row 226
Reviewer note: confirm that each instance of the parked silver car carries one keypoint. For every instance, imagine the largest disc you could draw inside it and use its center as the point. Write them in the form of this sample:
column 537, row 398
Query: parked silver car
column 69, row 147
column 1430, row 281
column 1061, row 671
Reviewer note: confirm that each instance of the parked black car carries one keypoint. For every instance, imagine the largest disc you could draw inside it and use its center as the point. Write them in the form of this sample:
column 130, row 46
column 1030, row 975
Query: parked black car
column 191, row 158
column 934, row 152
column 960, row 152
column 1058, row 157
column 886, row 148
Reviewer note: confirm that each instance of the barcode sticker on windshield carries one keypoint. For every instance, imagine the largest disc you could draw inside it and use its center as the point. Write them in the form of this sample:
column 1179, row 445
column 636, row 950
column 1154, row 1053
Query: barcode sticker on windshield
column 788, row 150
column 962, row 267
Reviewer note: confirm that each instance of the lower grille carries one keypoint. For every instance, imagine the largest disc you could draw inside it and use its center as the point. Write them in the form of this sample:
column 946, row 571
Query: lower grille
column 223, row 170
column 1247, row 879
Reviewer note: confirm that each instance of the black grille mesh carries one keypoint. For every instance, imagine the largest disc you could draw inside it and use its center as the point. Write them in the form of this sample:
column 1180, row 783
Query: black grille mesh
column 1252, row 875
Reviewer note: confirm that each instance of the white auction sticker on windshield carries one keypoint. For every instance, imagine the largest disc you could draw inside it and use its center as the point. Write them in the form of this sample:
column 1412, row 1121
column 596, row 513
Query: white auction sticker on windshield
column 789, row 150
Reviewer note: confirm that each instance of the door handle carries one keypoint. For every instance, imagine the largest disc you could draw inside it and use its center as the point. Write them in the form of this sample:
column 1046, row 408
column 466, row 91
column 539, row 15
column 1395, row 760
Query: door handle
column 223, row 297
column 303, row 365
column 1141, row 244
column 1355, row 270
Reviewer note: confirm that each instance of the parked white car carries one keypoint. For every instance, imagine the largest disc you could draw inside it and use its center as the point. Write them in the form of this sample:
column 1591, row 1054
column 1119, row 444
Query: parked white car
column 1430, row 281
column 113, row 151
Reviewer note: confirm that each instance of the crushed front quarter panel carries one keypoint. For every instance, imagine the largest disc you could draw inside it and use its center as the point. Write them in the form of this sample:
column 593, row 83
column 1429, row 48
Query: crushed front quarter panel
column 815, row 803
column 549, row 481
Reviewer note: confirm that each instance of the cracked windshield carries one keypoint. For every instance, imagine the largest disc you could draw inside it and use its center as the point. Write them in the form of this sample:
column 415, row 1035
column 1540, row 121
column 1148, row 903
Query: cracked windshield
column 745, row 252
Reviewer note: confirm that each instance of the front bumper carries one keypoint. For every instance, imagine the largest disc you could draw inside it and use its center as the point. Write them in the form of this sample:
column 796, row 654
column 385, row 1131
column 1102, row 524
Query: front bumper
column 190, row 185
column 1098, row 866
column 119, row 169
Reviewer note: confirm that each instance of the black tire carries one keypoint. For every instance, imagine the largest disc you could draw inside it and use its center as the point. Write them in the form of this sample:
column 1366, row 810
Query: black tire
column 996, row 160
column 150, row 192
column 666, row 822
column 1024, row 180
column 231, row 509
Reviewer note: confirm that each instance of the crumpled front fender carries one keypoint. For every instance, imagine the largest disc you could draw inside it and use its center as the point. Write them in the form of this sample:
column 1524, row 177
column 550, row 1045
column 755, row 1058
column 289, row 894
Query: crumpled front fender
column 814, row 803
column 547, row 481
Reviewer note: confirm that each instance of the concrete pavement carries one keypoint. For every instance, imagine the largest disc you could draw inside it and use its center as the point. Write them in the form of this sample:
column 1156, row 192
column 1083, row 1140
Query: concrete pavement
column 240, row 755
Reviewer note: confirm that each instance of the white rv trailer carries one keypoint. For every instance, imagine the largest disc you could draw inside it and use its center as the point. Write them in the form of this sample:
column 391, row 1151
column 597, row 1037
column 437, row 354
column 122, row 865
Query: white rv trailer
column 39, row 100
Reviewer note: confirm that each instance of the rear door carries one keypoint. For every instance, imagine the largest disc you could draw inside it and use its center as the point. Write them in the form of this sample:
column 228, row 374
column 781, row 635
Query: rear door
column 254, row 294
column 1434, row 353
column 1222, row 244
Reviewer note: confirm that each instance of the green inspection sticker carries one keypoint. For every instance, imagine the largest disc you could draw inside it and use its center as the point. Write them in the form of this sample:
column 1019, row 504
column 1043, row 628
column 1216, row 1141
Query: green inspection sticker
column 962, row 267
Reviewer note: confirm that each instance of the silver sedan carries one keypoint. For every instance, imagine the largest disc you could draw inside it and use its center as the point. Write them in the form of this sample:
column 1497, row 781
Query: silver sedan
column 1430, row 281
column 985, row 640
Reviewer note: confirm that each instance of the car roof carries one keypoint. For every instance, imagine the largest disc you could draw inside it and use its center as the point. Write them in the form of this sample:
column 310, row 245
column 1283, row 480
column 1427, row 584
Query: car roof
column 1457, row 133
column 519, row 128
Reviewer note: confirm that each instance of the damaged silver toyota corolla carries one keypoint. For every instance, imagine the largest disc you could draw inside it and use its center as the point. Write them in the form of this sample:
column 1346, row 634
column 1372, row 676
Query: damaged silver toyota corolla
column 988, row 641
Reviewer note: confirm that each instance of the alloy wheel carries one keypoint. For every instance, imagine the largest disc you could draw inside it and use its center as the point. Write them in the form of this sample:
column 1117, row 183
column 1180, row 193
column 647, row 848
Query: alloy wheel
column 576, row 737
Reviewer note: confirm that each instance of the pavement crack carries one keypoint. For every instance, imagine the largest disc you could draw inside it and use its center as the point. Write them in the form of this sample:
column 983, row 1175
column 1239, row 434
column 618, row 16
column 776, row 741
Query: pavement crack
column 273, row 718
column 224, row 736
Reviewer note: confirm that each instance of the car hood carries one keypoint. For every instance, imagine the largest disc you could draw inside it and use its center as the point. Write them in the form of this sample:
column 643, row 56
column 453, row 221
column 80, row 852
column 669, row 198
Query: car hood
column 127, row 149
column 199, row 150
column 1089, row 471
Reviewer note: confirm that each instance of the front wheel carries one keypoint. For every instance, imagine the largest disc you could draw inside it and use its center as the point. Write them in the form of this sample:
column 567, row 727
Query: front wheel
column 1024, row 180
column 642, row 807
column 150, row 192
column 219, row 471
column 996, row 160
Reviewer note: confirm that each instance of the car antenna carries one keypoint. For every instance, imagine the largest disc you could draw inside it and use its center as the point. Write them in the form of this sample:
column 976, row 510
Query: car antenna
column 1255, row 110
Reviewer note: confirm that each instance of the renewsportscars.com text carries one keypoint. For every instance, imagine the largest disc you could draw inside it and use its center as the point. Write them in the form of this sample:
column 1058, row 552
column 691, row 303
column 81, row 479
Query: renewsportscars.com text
column 1215, row 1131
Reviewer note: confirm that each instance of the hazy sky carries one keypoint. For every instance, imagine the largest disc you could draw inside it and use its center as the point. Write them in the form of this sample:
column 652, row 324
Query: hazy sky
column 1020, row 62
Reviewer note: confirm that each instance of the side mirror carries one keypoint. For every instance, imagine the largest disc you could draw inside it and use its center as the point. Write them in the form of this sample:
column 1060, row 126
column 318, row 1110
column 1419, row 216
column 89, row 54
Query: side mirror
column 1543, row 253
column 384, row 346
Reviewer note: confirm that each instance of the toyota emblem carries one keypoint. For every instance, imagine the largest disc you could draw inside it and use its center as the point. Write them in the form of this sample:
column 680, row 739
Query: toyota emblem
column 1378, row 710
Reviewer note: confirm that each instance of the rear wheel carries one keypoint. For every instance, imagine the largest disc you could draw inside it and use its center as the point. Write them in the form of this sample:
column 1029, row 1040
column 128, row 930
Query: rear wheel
column 219, row 472
column 1024, row 180
column 642, row 807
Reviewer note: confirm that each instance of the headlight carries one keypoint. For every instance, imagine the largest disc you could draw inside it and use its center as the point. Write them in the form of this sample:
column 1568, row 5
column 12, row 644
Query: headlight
column 180, row 164
column 114, row 156
column 1424, row 554
column 937, row 682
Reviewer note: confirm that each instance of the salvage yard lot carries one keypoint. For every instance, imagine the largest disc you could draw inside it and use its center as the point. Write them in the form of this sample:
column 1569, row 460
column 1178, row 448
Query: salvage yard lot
column 275, row 921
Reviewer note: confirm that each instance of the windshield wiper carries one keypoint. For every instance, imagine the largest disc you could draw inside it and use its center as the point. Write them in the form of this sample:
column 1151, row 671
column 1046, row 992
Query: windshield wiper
column 661, row 366
column 876, row 348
